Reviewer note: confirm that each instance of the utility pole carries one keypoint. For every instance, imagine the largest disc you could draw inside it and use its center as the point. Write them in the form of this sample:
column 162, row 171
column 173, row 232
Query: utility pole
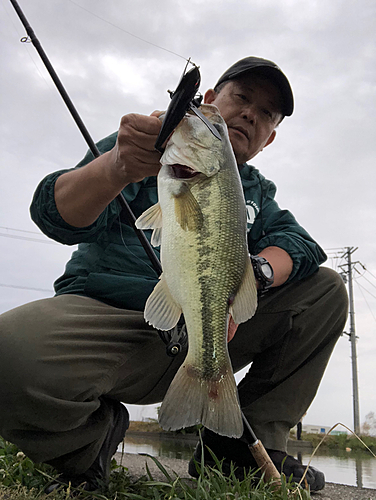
column 352, row 337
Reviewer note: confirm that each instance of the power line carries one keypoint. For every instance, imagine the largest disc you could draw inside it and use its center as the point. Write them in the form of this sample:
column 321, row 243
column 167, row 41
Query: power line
column 19, row 230
column 25, row 238
column 26, row 288
column 361, row 291
column 373, row 276
column 362, row 276
column 360, row 286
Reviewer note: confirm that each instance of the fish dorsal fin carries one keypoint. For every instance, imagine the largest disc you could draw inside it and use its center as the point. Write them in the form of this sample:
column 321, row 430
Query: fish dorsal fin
column 152, row 219
column 188, row 212
column 245, row 301
column 161, row 310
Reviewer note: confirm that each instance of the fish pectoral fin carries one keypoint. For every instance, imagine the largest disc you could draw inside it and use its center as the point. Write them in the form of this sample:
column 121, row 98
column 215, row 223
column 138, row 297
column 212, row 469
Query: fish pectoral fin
column 188, row 212
column 245, row 301
column 161, row 310
column 156, row 237
column 151, row 218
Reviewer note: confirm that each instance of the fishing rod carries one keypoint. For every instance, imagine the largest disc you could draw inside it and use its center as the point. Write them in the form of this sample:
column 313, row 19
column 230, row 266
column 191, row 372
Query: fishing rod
column 130, row 217
column 260, row 454
column 182, row 100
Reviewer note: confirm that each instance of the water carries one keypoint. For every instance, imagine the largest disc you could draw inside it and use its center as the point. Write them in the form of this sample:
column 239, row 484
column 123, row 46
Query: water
column 158, row 446
column 354, row 469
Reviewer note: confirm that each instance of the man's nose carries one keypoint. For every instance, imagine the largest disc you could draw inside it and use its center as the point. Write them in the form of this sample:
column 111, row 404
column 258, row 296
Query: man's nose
column 249, row 113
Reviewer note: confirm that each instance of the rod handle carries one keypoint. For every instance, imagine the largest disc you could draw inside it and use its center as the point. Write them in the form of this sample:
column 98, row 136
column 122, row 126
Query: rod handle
column 264, row 462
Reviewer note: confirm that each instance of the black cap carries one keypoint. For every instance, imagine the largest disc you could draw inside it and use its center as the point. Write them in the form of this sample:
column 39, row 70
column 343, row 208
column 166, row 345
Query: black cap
column 268, row 69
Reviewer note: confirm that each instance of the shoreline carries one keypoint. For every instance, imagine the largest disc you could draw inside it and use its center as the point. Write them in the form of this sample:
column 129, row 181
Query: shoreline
column 193, row 438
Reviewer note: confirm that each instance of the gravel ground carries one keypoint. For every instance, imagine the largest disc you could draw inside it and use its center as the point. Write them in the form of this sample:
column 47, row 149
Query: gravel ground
column 136, row 466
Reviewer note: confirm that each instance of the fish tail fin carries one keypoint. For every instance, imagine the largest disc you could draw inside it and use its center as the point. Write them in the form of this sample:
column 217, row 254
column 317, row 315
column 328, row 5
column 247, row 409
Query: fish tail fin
column 192, row 400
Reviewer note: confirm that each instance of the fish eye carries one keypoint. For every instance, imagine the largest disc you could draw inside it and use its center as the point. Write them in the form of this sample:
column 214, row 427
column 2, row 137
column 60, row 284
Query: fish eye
column 218, row 127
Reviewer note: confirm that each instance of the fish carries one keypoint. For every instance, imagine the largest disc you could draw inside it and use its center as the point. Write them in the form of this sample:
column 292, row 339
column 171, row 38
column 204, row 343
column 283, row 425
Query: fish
column 207, row 275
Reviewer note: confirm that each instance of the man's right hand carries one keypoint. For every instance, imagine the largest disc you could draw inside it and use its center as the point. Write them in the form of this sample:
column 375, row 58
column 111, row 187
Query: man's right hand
column 81, row 195
column 133, row 158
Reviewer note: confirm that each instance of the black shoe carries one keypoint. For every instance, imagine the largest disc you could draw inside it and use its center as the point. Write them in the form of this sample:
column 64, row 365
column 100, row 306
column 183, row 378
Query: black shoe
column 99, row 472
column 237, row 451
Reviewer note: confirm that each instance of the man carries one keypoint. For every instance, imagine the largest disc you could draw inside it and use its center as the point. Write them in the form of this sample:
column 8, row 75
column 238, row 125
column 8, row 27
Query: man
column 72, row 358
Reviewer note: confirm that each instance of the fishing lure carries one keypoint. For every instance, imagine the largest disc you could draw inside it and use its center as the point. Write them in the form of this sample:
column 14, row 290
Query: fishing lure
column 183, row 100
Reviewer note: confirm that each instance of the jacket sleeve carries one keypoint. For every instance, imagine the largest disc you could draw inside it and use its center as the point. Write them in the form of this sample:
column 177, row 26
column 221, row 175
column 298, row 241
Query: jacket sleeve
column 276, row 227
column 46, row 216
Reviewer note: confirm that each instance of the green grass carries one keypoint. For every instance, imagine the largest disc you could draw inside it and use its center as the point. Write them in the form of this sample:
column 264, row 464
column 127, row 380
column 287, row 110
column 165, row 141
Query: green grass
column 21, row 479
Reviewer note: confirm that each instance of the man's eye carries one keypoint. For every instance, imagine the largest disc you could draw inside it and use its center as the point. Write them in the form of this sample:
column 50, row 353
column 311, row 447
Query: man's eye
column 242, row 97
column 267, row 113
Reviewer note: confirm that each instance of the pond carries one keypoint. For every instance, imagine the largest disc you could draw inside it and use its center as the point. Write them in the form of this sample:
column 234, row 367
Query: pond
column 355, row 469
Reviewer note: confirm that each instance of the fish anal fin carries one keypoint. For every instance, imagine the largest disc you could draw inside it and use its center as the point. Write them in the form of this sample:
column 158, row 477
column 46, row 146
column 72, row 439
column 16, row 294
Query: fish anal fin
column 151, row 218
column 188, row 212
column 161, row 310
column 245, row 301
column 191, row 400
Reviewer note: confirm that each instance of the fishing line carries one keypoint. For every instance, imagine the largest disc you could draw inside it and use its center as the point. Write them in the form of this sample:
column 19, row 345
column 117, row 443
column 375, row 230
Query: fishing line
column 128, row 32
column 24, row 39
column 129, row 249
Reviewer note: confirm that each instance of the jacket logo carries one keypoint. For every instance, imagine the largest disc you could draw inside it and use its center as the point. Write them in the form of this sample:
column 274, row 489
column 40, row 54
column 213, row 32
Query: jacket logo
column 252, row 211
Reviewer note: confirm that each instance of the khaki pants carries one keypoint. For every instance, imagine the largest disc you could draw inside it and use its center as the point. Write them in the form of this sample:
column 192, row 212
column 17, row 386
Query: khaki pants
column 60, row 358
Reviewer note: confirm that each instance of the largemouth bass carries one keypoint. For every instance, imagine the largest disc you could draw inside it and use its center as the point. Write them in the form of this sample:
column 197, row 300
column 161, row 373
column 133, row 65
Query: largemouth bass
column 200, row 222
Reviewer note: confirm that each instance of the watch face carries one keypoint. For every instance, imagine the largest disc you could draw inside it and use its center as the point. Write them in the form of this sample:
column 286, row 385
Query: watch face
column 267, row 270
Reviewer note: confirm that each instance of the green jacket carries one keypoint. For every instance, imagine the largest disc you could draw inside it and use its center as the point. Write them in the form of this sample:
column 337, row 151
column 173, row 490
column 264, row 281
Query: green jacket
column 111, row 265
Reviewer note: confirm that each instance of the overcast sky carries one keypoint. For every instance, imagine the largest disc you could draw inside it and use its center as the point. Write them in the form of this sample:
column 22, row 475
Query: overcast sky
column 323, row 160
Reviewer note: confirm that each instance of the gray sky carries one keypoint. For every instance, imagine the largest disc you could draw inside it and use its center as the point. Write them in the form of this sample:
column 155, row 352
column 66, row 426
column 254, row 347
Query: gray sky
column 322, row 160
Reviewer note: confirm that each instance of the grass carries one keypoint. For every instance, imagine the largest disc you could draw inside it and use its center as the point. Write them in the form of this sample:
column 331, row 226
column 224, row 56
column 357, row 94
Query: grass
column 21, row 479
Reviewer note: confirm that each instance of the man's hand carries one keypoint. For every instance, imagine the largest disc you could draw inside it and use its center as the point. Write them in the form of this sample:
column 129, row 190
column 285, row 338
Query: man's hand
column 134, row 157
column 81, row 195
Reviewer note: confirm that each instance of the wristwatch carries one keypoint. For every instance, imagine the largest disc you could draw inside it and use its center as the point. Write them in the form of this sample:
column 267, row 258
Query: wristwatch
column 263, row 273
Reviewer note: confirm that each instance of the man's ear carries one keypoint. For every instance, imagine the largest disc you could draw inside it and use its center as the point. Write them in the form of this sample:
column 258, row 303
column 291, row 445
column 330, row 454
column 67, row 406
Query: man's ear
column 210, row 96
column 271, row 138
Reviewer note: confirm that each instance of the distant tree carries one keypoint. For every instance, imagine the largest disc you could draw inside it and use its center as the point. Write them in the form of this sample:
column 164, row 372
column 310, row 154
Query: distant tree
column 369, row 425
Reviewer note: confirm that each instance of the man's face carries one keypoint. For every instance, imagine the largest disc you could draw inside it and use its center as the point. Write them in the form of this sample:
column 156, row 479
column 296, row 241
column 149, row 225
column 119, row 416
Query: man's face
column 251, row 108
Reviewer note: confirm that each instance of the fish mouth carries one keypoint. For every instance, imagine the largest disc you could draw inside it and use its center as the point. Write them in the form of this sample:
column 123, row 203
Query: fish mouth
column 183, row 171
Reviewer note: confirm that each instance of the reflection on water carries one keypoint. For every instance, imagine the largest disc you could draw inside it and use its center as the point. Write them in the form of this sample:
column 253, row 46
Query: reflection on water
column 158, row 446
column 355, row 469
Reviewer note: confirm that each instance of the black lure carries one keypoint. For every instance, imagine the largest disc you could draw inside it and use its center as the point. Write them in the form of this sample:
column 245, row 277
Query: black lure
column 182, row 100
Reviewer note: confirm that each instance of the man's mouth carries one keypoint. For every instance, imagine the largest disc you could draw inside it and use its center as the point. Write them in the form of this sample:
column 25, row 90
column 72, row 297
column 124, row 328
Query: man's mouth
column 183, row 172
column 241, row 130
